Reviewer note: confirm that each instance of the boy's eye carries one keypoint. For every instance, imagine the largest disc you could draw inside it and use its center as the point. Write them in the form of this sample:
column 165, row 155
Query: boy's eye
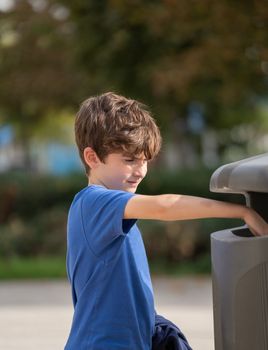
column 129, row 160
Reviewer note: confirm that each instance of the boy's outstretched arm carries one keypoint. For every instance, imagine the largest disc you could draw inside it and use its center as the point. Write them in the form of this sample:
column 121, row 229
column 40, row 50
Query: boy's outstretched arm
column 170, row 207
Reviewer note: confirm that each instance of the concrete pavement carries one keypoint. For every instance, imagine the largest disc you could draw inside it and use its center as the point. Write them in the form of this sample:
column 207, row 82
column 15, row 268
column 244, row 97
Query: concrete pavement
column 36, row 315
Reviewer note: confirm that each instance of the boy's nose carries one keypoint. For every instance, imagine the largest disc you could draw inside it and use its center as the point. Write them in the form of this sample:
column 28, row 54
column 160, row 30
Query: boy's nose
column 140, row 171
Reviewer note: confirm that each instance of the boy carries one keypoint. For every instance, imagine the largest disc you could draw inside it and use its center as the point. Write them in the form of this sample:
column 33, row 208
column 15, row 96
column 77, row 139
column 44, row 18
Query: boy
column 106, row 260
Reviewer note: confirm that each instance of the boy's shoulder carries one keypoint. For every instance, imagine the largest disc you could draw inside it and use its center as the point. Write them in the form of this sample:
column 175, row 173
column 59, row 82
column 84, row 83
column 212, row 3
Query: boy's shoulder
column 97, row 194
column 95, row 190
column 88, row 193
column 101, row 208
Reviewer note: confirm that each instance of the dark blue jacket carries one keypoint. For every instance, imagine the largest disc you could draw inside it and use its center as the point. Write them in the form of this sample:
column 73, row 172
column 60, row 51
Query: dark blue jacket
column 167, row 336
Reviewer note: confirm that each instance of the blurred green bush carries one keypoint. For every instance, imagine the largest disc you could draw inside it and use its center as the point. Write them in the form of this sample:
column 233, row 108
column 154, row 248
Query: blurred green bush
column 34, row 209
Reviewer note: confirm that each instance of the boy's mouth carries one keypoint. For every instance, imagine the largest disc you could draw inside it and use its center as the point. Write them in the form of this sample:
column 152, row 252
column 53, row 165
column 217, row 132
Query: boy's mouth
column 133, row 183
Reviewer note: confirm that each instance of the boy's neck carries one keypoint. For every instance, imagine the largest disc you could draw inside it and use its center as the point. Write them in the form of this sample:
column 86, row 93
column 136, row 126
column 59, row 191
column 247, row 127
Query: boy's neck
column 93, row 181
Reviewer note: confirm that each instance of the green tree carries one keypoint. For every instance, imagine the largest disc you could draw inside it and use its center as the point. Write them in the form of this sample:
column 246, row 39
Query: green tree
column 171, row 52
column 36, row 71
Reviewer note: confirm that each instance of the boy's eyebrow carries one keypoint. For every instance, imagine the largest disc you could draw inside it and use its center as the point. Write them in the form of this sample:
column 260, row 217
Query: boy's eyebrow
column 133, row 157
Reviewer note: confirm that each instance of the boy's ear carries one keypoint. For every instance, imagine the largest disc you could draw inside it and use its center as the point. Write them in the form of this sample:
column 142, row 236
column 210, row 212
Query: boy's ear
column 91, row 158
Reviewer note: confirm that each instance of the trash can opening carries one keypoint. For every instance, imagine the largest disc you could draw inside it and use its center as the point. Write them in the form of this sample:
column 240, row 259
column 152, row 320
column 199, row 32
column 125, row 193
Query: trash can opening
column 242, row 232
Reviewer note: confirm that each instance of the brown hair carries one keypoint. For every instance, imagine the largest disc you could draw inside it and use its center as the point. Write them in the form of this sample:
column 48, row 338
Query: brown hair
column 112, row 123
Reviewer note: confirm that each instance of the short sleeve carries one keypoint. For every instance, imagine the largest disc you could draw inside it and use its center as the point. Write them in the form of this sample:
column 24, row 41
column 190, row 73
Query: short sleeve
column 102, row 212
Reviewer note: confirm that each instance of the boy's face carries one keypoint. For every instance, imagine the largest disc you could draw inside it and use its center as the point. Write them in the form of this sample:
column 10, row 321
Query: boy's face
column 120, row 172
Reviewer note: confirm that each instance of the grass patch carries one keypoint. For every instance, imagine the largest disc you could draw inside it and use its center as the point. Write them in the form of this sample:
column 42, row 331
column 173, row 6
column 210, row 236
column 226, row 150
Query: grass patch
column 41, row 267
column 55, row 267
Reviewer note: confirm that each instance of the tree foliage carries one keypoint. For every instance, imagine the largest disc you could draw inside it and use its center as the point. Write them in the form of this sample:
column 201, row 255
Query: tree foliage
column 171, row 52
column 166, row 53
column 36, row 70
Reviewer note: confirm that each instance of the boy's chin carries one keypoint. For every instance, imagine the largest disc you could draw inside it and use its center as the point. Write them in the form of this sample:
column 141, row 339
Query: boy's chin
column 132, row 190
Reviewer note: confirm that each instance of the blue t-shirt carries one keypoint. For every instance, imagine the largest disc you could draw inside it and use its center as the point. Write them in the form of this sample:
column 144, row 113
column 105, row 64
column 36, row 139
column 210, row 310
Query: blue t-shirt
column 109, row 274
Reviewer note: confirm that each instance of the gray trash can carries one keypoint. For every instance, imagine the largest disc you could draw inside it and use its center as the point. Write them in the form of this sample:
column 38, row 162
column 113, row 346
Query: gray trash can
column 240, row 262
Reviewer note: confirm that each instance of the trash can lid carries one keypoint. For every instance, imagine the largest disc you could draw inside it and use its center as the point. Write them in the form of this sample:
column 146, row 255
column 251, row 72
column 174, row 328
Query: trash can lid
column 247, row 175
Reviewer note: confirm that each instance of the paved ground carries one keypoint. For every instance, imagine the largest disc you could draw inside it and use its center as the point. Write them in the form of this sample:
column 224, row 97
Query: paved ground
column 36, row 315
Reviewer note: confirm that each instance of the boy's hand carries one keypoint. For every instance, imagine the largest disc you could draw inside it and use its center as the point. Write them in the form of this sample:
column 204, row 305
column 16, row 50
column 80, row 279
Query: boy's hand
column 257, row 225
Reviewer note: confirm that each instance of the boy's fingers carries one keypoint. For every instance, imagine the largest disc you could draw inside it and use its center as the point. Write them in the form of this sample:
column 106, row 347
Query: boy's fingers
column 255, row 233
